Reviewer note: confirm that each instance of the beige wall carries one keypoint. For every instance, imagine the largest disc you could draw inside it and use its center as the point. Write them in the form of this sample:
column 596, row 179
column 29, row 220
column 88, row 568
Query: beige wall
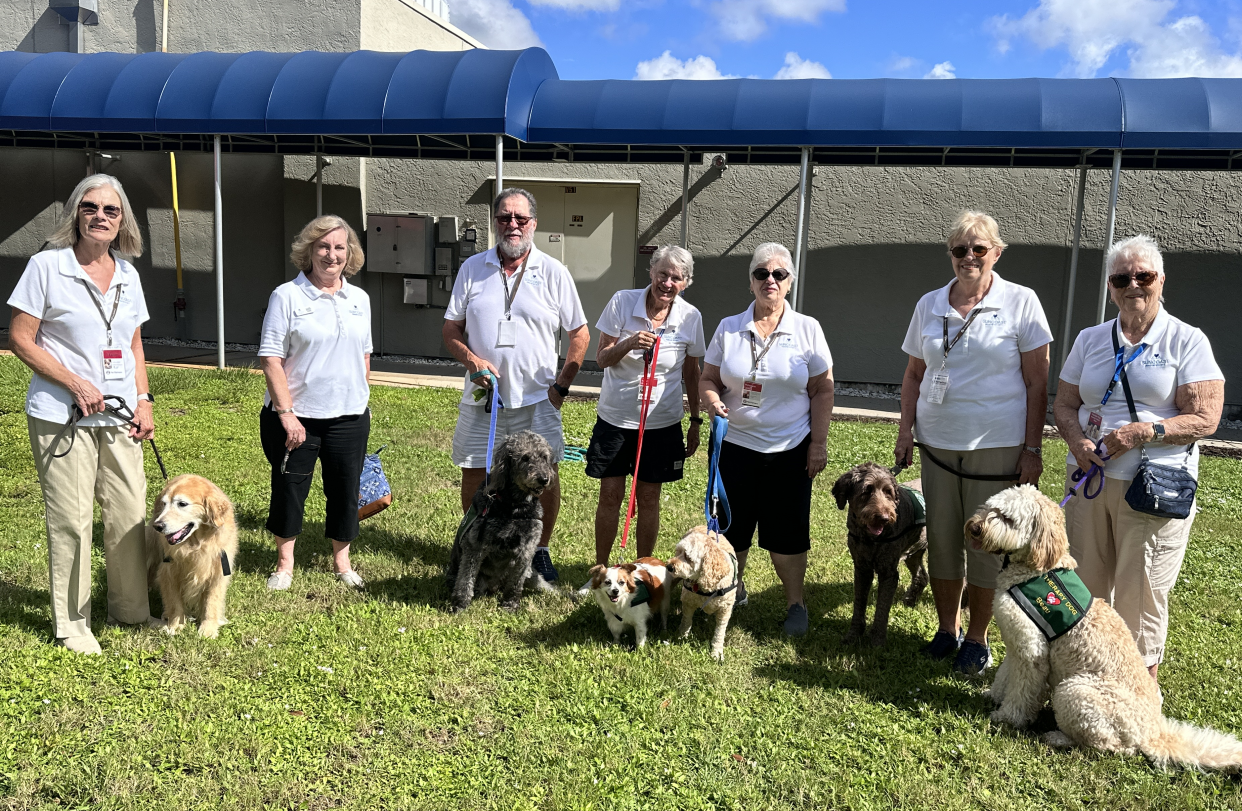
column 399, row 26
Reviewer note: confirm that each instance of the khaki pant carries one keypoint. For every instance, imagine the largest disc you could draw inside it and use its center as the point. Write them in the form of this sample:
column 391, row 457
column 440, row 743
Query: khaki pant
column 104, row 465
column 951, row 500
column 1128, row 559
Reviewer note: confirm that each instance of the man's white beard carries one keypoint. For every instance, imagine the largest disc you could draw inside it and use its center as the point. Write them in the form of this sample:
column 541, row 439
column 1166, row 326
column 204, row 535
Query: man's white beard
column 517, row 251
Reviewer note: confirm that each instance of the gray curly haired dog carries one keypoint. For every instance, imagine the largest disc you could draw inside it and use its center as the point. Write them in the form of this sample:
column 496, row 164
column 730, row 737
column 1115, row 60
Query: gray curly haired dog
column 497, row 539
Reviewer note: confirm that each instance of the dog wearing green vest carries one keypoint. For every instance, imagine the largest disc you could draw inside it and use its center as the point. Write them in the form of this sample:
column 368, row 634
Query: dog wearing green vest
column 1062, row 644
column 632, row 594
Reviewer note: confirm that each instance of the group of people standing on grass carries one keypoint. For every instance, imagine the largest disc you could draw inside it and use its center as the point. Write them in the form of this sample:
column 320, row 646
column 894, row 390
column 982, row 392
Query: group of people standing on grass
column 974, row 394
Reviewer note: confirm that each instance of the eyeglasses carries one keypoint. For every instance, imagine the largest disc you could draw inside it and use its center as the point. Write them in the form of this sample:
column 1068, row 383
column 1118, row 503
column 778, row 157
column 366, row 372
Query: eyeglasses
column 1145, row 278
column 761, row 274
column 960, row 251
column 91, row 209
column 309, row 449
column 505, row 219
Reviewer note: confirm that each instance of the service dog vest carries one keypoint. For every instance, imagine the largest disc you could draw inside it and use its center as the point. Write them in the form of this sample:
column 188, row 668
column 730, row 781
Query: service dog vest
column 918, row 503
column 1055, row 601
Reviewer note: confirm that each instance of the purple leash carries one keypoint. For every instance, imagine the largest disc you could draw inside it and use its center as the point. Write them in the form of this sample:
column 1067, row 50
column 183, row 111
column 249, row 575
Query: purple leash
column 1080, row 479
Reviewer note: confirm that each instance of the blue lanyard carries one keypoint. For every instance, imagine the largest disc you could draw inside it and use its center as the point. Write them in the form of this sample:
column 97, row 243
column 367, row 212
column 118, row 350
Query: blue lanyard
column 1122, row 362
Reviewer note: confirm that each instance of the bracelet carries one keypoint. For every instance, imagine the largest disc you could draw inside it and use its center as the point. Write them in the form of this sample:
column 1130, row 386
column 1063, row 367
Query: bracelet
column 696, row 420
column 561, row 390
column 281, row 412
column 1033, row 450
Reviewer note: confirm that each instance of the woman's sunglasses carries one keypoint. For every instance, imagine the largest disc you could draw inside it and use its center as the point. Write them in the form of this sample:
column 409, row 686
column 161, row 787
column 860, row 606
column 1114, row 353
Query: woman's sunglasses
column 91, row 209
column 1145, row 278
column 761, row 274
column 978, row 250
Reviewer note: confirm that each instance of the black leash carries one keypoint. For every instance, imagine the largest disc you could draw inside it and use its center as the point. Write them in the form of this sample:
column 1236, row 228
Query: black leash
column 121, row 411
column 978, row 477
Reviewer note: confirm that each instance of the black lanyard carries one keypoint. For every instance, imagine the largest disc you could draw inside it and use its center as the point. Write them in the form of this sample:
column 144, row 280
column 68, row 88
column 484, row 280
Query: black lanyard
column 517, row 282
column 116, row 302
column 756, row 358
column 948, row 346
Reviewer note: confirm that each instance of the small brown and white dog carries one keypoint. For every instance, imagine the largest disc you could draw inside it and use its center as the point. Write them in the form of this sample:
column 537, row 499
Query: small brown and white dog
column 1101, row 692
column 191, row 548
column 632, row 594
column 707, row 565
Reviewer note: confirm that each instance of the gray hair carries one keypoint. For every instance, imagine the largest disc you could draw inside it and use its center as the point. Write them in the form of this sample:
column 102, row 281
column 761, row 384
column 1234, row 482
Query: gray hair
column 768, row 251
column 676, row 256
column 514, row 191
column 128, row 240
column 1141, row 247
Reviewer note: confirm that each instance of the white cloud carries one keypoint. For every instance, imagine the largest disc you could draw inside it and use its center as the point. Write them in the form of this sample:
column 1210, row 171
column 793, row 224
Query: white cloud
column 900, row 63
column 746, row 20
column 667, row 66
column 942, row 70
column 798, row 68
column 575, row 5
column 495, row 23
column 1092, row 31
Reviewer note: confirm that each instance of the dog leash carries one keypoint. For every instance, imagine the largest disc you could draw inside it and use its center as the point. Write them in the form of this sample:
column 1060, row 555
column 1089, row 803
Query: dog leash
column 1083, row 480
column 716, row 501
column 493, row 407
column 121, row 411
column 978, row 477
column 646, row 387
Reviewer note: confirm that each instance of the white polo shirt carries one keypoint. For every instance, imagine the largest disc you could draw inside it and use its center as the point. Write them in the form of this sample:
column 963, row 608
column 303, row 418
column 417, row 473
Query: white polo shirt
column 322, row 338
column 985, row 404
column 1176, row 354
column 54, row 289
column 545, row 301
column 798, row 352
column 626, row 315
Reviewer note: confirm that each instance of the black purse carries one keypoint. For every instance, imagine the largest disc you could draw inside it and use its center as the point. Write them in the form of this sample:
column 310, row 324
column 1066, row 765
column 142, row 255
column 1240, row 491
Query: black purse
column 1159, row 490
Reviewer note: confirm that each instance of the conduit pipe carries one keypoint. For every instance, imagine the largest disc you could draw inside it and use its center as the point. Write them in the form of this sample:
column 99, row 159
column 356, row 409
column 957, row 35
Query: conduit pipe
column 219, row 218
column 804, row 182
column 179, row 304
column 685, row 195
column 1073, row 272
column 1108, row 243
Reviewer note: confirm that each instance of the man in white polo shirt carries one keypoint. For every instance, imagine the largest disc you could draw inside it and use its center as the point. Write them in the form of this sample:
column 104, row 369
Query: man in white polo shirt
column 502, row 323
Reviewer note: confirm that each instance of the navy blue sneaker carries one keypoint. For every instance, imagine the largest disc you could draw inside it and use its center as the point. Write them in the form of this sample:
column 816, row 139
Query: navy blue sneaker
column 542, row 564
column 943, row 645
column 797, row 621
column 973, row 658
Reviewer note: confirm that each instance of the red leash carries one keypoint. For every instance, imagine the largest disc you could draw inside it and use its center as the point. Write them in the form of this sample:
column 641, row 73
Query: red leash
column 647, row 384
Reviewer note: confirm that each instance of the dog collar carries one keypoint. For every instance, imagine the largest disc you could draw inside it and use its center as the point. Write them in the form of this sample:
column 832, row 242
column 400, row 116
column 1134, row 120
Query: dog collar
column 718, row 592
column 1055, row 601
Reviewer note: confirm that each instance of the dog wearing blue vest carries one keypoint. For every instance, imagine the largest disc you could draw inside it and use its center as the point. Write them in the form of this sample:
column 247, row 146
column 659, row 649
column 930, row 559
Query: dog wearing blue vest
column 1061, row 643
column 632, row 594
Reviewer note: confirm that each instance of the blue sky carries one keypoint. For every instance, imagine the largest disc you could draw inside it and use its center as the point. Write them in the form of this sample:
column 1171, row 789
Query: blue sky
column 846, row 39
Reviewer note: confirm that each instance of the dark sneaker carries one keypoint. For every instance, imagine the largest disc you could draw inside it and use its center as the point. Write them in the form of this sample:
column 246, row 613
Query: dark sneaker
column 972, row 659
column 797, row 621
column 742, row 596
column 943, row 645
column 542, row 564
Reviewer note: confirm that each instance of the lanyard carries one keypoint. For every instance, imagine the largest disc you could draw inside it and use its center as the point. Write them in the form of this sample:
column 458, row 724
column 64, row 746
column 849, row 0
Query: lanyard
column 517, row 282
column 948, row 346
column 116, row 302
column 1122, row 362
column 756, row 358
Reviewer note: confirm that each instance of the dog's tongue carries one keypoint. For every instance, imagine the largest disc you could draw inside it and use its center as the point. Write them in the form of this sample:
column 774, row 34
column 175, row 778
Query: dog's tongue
column 178, row 536
column 877, row 531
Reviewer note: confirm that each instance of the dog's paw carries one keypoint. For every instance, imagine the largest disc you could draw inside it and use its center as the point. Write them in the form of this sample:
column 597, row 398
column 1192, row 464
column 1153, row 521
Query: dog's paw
column 911, row 597
column 1013, row 719
column 879, row 640
column 511, row 605
column 171, row 627
column 209, row 630
column 457, row 608
column 1057, row 739
column 718, row 655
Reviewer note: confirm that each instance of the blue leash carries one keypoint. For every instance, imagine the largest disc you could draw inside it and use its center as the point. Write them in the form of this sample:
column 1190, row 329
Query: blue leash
column 716, row 503
column 494, row 407
column 1082, row 480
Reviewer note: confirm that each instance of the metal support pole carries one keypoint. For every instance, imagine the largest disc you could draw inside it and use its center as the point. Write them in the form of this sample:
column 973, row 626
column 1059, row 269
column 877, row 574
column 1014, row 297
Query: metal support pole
column 1108, row 243
column 804, row 182
column 685, row 196
column 219, row 264
column 319, row 185
column 500, row 165
column 1073, row 274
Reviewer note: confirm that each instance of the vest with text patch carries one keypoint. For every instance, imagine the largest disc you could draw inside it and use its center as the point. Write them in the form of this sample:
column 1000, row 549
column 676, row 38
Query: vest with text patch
column 1055, row 601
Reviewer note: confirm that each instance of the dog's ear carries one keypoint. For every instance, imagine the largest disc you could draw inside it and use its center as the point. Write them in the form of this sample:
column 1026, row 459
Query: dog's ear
column 1048, row 539
column 217, row 506
column 598, row 572
column 844, row 488
column 499, row 477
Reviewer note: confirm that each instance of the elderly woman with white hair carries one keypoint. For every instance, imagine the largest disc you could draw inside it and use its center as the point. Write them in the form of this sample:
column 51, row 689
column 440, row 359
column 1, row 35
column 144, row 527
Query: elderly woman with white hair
column 769, row 371
column 77, row 316
column 976, row 393
column 1143, row 384
column 629, row 327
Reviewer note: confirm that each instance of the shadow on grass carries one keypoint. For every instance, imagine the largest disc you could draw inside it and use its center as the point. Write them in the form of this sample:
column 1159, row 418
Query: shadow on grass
column 27, row 608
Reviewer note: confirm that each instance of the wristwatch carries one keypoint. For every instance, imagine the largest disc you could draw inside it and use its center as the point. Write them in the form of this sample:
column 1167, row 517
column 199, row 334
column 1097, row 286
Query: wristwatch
column 148, row 396
column 561, row 390
column 1158, row 429
column 1033, row 450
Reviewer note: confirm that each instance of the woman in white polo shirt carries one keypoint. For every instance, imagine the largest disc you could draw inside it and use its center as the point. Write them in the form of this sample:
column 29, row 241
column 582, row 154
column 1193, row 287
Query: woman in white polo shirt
column 976, row 392
column 316, row 355
column 77, row 313
column 1129, row 558
column 769, row 371
column 628, row 330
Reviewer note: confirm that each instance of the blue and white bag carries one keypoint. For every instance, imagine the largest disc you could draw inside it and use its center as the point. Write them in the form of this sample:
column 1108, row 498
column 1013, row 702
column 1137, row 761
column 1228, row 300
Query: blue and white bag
column 374, row 494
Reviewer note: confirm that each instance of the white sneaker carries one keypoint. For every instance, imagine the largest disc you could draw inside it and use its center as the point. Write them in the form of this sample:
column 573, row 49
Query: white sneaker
column 351, row 579
column 86, row 645
column 280, row 581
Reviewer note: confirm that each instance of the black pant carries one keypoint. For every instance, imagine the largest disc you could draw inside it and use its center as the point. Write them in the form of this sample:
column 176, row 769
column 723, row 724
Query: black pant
column 339, row 443
column 770, row 491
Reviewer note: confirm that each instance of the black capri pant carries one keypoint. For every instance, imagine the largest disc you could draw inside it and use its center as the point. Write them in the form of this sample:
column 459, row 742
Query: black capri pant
column 339, row 443
column 770, row 491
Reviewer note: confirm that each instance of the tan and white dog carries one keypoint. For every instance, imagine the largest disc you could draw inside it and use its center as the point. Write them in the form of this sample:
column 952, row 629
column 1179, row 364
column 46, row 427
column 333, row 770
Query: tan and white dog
column 191, row 549
column 1100, row 689
column 632, row 594
column 707, row 565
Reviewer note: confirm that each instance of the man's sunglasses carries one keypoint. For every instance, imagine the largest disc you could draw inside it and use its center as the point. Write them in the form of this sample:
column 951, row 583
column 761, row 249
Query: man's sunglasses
column 761, row 274
column 505, row 219
column 91, row 209
column 978, row 250
column 1145, row 278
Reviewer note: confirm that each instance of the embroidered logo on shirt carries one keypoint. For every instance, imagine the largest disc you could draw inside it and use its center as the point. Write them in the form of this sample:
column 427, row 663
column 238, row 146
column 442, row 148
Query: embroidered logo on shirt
column 1155, row 361
column 994, row 320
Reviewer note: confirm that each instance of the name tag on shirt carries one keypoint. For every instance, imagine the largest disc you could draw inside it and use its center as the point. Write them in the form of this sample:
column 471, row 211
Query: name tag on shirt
column 939, row 385
column 113, row 362
column 301, row 311
column 752, row 393
column 506, row 333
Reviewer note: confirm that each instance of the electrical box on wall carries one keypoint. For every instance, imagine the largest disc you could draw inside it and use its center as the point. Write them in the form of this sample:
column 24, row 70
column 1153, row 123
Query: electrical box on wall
column 446, row 229
column 417, row 291
column 400, row 243
column 444, row 261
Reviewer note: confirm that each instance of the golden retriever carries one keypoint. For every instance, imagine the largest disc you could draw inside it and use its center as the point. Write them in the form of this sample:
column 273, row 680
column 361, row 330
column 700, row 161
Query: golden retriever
column 191, row 550
column 1101, row 692
column 707, row 565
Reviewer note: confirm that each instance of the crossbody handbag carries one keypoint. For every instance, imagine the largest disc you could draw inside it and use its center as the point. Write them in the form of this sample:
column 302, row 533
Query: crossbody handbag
column 1159, row 490
column 374, row 494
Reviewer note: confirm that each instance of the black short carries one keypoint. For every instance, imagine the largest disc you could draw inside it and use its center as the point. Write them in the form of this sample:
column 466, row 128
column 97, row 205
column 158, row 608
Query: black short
column 339, row 443
column 770, row 491
column 612, row 450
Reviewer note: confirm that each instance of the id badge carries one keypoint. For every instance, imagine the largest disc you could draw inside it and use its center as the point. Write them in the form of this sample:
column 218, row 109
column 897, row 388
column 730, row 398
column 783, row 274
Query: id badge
column 939, row 385
column 506, row 333
column 647, row 393
column 752, row 393
column 1095, row 422
column 113, row 363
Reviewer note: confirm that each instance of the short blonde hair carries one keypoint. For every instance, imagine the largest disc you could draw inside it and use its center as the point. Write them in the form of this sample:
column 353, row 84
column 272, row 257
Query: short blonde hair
column 128, row 240
column 979, row 222
column 314, row 231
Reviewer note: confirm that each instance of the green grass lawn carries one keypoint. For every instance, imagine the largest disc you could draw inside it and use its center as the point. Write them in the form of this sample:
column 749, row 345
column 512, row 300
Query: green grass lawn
column 320, row 697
